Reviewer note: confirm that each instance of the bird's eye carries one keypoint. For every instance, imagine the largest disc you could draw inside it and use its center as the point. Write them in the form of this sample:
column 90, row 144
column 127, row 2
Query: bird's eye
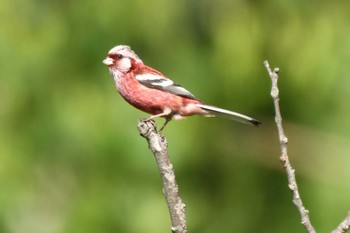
column 120, row 56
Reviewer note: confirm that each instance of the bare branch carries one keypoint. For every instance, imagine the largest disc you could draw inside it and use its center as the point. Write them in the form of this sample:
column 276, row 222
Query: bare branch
column 292, row 184
column 344, row 226
column 158, row 145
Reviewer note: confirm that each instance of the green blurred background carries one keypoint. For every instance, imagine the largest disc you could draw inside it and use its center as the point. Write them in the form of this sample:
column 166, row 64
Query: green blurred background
column 71, row 158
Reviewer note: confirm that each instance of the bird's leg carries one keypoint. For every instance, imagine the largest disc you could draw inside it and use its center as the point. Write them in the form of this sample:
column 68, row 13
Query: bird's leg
column 166, row 113
column 167, row 120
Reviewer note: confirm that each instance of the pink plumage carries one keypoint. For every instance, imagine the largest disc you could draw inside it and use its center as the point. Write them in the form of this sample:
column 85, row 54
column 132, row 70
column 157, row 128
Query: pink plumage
column 150, row 91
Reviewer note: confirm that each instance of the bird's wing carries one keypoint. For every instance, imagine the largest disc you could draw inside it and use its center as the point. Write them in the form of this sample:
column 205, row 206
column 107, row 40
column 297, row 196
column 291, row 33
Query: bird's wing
column 156, row 80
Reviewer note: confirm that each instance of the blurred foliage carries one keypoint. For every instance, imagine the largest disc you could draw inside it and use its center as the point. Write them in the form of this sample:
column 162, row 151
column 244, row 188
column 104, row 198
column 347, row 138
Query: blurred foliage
column 71, row 159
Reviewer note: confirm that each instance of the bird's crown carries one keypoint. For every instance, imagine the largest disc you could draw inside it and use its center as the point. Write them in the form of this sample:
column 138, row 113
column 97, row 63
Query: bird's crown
column 125, row 51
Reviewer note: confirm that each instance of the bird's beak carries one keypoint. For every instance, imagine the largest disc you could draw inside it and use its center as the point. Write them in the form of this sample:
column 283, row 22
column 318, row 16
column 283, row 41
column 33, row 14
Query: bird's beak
column 108, row 61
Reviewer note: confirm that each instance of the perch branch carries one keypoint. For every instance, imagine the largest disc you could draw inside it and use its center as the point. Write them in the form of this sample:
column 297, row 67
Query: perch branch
column 158, row 145
column 292, row 184
column 343, row 226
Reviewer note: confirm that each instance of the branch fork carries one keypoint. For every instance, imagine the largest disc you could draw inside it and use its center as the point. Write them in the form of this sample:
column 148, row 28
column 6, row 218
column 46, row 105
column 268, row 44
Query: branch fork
column 292, row 184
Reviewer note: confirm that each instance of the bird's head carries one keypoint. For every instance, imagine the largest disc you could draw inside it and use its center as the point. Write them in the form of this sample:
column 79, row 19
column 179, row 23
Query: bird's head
column 121, row 58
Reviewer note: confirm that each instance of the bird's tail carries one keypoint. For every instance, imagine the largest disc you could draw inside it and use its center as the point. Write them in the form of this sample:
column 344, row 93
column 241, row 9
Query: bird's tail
column 230, row 115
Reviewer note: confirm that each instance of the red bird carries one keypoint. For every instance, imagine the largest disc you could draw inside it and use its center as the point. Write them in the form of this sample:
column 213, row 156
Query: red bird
column 150, row 91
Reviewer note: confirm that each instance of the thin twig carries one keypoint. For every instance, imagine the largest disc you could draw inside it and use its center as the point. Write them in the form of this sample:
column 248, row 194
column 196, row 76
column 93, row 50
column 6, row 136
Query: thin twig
column 343, row 226
column 292, row 184
column 158, row 145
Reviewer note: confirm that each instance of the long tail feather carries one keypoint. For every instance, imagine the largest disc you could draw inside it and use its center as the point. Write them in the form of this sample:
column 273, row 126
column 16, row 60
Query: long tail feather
column 230, row 115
